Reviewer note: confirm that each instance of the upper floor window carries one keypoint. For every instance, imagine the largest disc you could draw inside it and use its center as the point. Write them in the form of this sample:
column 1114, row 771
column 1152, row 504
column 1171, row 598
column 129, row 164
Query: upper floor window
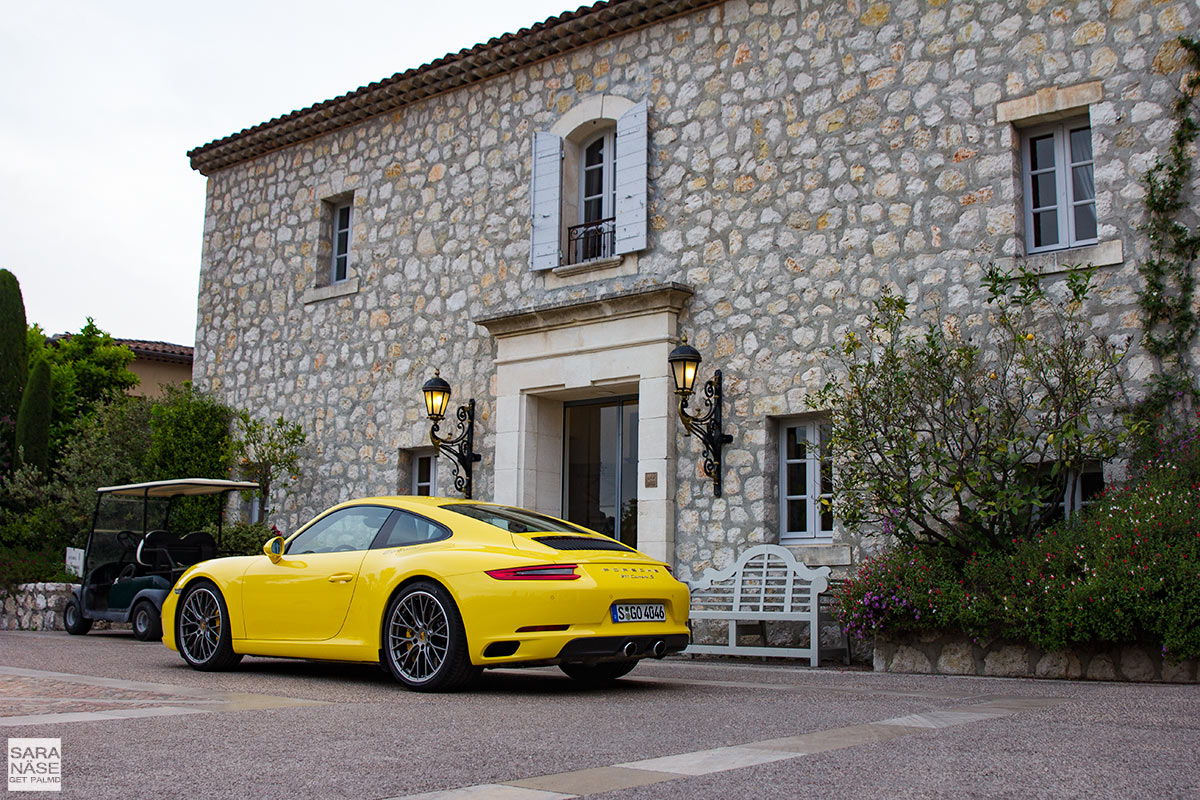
column 1060, row 188
column 592, row 238
column 340, row 264
column 588, row 197
column 805, row 482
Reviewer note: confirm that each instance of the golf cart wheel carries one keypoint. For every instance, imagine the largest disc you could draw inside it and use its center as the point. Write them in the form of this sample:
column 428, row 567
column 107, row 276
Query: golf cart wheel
column 147, row 622
column 600, row 673
column 203, row 634
column 73, row 619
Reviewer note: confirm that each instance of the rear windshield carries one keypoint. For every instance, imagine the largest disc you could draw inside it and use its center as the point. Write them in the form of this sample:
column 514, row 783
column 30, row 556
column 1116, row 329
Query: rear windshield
column 513, row 520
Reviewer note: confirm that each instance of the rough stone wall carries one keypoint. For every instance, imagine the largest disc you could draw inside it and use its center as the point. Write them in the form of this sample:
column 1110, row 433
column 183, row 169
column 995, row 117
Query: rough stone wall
column 952, row 654
column 804, row 156
column 34, row 607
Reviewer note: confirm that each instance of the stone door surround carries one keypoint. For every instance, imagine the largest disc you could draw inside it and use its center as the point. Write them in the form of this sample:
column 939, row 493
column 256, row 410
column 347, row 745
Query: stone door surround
column 612, row 345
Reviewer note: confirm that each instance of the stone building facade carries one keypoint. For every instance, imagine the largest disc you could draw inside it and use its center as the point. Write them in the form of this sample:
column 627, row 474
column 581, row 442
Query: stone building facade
column 799, row 156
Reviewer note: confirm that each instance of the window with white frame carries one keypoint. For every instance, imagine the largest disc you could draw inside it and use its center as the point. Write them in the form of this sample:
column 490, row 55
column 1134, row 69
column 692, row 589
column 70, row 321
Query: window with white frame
column 805, row 482
column 251, row 512
column 592, row 238
column 1060, row 189
column 340, row 263
column 424, row 474
column 588, row 197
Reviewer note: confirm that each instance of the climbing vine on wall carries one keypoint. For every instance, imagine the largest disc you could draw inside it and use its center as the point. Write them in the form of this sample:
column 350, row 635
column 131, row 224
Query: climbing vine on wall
column 1168, row 295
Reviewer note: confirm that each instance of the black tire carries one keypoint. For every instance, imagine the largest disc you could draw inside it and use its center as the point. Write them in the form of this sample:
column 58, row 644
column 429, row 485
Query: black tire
column 601, row 673
column 202, row 611
column 424, row 642
column 73, row 619
column 147, row 622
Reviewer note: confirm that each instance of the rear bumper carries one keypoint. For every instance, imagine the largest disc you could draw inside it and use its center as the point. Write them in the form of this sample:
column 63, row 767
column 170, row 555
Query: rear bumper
column 598, row 648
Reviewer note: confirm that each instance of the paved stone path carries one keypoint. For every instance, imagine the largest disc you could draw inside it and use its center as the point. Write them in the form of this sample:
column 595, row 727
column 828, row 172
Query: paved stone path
column 579, row 783
column 135, row 721
column 37, row 697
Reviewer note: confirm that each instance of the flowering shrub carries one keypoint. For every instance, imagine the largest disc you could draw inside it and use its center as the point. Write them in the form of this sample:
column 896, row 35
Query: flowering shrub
column 941, row 438
column 1127, row 571
column 901, row 590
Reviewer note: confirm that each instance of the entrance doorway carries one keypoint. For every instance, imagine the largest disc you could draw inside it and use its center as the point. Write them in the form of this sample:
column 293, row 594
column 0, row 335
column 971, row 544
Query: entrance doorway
column 600, row 466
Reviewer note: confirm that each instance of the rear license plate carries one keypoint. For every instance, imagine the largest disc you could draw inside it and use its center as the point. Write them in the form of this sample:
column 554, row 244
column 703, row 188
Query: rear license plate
column 639, row 612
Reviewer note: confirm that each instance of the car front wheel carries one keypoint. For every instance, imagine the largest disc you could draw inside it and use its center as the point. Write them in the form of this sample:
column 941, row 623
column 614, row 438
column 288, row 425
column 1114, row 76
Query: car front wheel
column 203, row 635
column 147, row 622
column 73, row 619
column 424, row 644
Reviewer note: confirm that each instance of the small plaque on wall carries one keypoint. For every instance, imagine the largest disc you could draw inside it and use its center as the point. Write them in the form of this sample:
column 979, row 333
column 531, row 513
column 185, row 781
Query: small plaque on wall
column 651, row 480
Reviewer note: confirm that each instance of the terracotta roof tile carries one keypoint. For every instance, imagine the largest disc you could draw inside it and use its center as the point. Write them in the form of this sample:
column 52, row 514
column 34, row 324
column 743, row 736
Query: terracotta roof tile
column 502, row 54
column 159, row 351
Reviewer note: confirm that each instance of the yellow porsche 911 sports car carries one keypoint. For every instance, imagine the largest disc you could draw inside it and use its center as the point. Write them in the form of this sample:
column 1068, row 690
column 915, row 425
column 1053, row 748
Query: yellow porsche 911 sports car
column 435, row 590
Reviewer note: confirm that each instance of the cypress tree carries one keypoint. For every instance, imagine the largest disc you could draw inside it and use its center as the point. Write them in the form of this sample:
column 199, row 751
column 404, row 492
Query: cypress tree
column 33, row 420
column 14, row 366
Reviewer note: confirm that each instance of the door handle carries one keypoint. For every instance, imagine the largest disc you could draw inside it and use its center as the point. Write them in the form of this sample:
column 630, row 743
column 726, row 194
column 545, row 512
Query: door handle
column 341, row 577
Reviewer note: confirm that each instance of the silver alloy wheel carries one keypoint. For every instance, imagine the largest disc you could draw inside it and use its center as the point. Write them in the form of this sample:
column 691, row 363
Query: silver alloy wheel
column 71, row 615
column 200, row 625
column 418, row 636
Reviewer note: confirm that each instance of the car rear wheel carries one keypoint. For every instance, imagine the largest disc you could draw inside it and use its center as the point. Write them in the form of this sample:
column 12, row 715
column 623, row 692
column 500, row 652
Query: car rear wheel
column 147, row 622
column 600, row 673
column 203, row 635
column 73, row 619
column 424, row 644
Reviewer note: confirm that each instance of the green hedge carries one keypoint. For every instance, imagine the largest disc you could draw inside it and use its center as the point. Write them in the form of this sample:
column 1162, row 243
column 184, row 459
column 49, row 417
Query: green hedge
column 1128, row 570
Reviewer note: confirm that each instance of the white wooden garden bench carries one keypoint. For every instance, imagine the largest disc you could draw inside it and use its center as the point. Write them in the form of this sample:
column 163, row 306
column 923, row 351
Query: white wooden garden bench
column 766, row 584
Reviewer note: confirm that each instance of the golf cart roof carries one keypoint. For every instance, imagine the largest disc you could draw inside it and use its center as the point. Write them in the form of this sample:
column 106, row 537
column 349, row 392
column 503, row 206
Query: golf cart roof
column 185, row 487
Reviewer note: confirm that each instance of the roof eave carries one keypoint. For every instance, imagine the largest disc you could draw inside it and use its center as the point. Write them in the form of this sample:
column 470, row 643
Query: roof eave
column 504, row 54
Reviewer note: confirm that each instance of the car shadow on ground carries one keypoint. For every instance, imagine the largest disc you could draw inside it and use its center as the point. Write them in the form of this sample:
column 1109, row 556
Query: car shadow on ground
column 505, row 681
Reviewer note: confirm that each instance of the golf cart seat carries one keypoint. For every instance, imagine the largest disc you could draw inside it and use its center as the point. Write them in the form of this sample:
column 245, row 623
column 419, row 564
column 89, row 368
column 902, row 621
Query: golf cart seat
column 162, row 552
column 156, row 552
column 197, row 546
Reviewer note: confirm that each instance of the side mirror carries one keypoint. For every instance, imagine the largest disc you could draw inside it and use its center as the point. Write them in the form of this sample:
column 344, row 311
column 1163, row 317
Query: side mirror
column 274, row 549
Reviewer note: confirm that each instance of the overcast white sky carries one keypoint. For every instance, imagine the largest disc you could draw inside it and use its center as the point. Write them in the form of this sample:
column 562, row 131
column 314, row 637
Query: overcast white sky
column 100, row 213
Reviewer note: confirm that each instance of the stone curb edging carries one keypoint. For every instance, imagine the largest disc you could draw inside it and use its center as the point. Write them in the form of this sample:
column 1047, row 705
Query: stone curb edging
column 938, row 653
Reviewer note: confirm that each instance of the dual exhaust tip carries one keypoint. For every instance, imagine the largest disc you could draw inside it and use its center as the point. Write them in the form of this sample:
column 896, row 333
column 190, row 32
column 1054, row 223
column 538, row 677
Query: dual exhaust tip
column 658, row 649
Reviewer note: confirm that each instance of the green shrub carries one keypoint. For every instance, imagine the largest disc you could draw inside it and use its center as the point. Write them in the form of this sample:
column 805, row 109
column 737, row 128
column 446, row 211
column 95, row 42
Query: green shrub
column 87, row 369
column 33, row 419
column 1127, row 570
column 940, row 438
column 245, row 538
column 20, row 565
column 14, row 366
column 190, row 439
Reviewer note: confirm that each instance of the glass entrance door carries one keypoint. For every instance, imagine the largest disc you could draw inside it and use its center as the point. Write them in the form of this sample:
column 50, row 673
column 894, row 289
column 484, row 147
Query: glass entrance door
column 600, row 466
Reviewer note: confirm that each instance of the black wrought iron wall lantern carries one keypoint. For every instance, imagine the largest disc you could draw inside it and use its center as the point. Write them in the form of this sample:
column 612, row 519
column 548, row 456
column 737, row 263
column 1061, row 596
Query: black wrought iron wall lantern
column 460, row 447
column 707, row 427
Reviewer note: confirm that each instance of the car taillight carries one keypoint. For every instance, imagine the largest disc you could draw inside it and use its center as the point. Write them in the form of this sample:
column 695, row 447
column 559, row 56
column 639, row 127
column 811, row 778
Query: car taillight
column 539, row 572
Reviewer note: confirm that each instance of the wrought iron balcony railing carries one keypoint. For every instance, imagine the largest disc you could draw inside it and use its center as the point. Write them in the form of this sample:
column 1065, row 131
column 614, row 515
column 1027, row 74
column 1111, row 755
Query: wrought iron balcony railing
column 591, row 240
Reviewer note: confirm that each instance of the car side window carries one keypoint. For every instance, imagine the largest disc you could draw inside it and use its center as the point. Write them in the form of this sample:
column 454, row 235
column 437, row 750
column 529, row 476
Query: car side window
column 351, row 528
column 411, row 529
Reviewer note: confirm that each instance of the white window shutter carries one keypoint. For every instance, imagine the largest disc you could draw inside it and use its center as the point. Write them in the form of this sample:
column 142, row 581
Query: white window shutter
column 545, row 201
column 633, row 154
